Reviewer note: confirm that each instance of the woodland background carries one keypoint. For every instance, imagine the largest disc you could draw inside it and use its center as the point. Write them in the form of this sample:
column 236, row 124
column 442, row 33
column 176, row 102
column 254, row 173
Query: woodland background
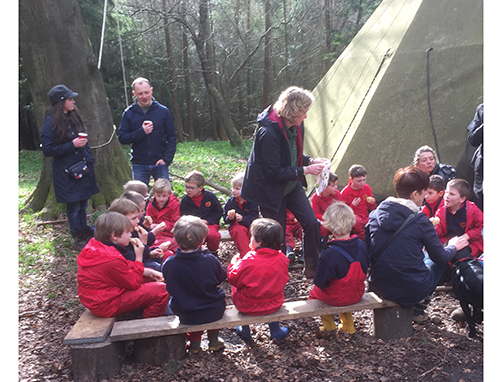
column 248, row 50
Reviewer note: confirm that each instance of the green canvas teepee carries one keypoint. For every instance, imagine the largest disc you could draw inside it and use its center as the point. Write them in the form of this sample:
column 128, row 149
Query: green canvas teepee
column 372, row 107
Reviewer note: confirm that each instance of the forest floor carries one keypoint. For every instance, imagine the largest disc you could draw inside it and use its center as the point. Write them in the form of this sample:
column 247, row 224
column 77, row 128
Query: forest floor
column 438, row 350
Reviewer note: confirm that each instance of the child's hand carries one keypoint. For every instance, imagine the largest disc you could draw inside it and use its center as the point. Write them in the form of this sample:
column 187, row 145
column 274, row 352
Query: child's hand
column 138, row 248
column 151, row 273
column 143, row 234
column 435, row 220
column 148, row 222
column 156, row 253
column 231, row 214
column 356, row 201
column 370, row 199
column 159, row 228
column 165, row 246
column 239, row 217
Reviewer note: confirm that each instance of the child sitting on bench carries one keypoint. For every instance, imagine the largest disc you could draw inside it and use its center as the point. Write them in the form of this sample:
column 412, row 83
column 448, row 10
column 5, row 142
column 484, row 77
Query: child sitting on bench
column 340, row 276
column 204, row 204
column 110, row 285
column 164, row 210
column 152, row 257
column 259, row 277
column 239, row 214
column 192, row 277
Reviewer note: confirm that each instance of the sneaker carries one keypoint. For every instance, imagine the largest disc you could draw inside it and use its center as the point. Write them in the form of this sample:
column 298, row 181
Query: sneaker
column 291, row 257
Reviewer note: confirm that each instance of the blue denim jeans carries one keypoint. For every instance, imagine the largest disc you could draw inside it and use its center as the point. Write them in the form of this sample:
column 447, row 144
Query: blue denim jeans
column 77, row 215
column 143, row 172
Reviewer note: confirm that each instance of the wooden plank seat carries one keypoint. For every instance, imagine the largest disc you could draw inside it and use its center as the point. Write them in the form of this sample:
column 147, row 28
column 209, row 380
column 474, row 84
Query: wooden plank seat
column 97, row 343
column 167, row 325
column 224, row 235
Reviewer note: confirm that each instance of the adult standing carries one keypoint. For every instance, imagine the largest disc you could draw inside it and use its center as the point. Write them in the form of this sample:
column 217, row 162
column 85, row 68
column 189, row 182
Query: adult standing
column 425, row 159
column 400, row 270
column 63, row 137
column 148, row 126
column 274, row 175
column 475, row 138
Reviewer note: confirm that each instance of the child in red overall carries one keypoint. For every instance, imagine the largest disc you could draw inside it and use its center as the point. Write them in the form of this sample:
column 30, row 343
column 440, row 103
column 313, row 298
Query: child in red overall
column 110, row 285
column 164, row 210
column 320, row 203
column 259, row 277
column 239, row 214
column 358, row 195
column 340, row 277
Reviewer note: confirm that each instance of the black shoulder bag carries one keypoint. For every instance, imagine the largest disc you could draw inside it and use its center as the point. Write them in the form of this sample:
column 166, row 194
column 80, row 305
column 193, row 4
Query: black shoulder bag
column 377, row 254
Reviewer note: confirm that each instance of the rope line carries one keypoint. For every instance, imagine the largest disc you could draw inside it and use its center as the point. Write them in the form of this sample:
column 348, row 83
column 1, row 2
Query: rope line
column 108, row 142
column 429, row 105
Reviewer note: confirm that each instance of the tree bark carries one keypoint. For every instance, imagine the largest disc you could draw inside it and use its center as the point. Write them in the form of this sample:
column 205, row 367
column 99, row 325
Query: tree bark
column 267, row 57
column 187, row 78
column 55, row 50
column 172, row 82
column 204, row 52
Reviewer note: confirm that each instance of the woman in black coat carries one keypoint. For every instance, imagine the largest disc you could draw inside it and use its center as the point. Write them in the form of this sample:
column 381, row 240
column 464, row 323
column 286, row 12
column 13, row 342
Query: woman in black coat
column 276, row 167
column 63, row 137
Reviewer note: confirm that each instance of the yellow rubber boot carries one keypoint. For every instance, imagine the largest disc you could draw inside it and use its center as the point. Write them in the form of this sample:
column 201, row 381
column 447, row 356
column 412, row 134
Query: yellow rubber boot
column 347, row 323
column 328, row 322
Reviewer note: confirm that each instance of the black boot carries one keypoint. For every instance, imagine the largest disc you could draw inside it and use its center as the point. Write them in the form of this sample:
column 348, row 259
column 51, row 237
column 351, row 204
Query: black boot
column 79, row 241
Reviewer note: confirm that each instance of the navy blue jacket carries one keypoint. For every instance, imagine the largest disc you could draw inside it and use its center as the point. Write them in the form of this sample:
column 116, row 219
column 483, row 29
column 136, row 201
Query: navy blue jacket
column 65, row 154
column 249, row 211
column 147, row 149
column 210, row 209
column 192, row 280
column 269, row 166
column 333, row 265
column 400, row 273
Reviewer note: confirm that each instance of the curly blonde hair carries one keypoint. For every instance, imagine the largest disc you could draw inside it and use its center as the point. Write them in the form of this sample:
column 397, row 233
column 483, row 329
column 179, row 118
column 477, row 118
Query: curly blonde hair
column 293, row 102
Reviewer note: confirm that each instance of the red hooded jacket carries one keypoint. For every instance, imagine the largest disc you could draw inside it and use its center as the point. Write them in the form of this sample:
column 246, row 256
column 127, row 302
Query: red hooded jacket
column 473, row 227
column 169, row 214
column 104, row 274
column 258, row 281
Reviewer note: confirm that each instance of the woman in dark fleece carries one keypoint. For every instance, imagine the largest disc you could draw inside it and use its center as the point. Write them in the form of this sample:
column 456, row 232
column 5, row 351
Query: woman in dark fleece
column 401, row 272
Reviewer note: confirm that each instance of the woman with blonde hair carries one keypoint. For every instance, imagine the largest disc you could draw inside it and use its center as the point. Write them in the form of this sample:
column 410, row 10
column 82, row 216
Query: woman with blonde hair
column 274, row 176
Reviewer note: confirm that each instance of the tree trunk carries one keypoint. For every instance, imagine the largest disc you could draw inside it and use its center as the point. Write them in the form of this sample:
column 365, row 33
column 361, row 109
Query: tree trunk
column 267, row 57
column 55, row 50
column 172, row 82
column 187, row 79
column 208, row 72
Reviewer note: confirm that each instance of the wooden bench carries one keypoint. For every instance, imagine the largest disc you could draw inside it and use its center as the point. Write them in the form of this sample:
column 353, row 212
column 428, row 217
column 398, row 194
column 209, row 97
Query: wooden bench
column 97, row 355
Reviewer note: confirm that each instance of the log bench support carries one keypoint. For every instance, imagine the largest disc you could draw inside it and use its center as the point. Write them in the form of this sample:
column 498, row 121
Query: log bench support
column 97, row 343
